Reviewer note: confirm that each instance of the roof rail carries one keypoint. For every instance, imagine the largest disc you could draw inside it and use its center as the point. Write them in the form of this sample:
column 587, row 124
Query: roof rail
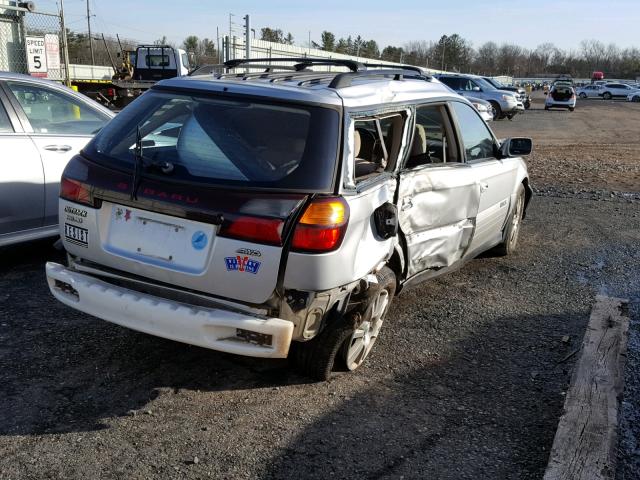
column 343, row 80
column 300, row 62
column 300, row 72
column 413, row 68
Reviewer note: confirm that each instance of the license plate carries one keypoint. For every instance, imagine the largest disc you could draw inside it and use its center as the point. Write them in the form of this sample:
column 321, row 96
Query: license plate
column 76, row 235
column 158, row 239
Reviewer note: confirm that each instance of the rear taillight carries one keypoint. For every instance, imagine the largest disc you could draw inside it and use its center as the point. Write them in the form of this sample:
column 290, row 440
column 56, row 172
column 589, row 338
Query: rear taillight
column 254, row 229
column 322, row 226
column 75, row 191
column 111, row 92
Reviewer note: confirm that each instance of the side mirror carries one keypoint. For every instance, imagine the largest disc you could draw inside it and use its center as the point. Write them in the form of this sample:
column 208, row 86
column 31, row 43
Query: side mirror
column 476, row 89
column 515, row 147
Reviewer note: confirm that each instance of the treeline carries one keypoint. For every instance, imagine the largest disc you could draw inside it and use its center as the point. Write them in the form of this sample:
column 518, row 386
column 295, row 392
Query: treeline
column 455, row 53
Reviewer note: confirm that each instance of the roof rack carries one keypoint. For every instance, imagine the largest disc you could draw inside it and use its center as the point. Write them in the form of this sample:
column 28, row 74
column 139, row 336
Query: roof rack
column 336, row 79
column 345, row 79
column 300, row 62
column 413, row 68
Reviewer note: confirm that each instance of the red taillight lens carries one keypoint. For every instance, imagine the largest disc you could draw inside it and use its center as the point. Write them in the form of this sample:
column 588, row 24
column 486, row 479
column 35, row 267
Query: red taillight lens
column 111, row 92
column 255, row 229
column 75, row 191
column 322, row 226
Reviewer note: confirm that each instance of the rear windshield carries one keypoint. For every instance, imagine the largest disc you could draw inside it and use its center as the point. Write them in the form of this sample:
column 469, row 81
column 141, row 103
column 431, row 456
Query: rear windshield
column 224, row 141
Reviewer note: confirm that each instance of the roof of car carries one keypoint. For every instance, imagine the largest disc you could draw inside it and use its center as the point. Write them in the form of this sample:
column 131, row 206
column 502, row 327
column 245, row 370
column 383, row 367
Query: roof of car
column 372, row 87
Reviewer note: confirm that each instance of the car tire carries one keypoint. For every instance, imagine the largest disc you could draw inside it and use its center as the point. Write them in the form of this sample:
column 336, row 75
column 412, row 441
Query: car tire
column 512, row 230
column 583, row 95
column 353, row 353
column 606, row 95
column 571, row 109
column 546, row 108
column 317, row 357
column 497, row 111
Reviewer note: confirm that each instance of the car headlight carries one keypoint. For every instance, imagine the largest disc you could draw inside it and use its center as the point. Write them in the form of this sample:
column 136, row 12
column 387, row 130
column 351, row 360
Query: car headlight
column 480, row 107
column 509, row 98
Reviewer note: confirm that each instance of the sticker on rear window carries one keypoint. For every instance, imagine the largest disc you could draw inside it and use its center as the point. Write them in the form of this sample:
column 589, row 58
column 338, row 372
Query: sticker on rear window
column 242, row 264
column 76, row 235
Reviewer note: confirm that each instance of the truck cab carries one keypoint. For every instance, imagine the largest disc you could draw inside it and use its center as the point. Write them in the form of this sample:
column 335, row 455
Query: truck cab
column 159, row 62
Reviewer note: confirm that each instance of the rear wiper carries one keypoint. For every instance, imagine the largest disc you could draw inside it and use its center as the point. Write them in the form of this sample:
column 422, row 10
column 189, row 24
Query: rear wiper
column 140, row 164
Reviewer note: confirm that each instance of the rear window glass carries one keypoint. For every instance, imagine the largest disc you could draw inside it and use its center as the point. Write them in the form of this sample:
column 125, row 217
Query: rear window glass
column 157, row 60
column 224, row 140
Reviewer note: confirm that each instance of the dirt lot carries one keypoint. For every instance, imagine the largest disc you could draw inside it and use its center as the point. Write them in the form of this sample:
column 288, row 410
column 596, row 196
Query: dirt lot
column 466, row 382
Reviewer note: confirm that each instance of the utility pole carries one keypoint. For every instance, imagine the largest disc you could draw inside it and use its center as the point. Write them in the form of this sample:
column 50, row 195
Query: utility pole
column 247, row 37
column 93, row 59
column 65, row 46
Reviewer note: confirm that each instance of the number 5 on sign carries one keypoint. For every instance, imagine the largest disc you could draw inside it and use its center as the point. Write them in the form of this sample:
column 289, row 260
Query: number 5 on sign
column 36, row 56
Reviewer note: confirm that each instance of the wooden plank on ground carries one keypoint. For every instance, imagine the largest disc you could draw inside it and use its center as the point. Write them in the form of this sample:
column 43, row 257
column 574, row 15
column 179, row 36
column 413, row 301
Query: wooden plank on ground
column 586, row 440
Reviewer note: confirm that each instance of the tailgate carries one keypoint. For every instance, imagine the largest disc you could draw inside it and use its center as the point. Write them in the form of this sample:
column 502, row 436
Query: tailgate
column 180, row 246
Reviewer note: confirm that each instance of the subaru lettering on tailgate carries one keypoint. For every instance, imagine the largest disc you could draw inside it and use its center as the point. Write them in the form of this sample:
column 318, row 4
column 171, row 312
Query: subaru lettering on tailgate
column 242, row 264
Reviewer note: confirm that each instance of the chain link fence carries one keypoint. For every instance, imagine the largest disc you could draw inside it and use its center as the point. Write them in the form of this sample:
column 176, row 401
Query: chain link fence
column 31, row 42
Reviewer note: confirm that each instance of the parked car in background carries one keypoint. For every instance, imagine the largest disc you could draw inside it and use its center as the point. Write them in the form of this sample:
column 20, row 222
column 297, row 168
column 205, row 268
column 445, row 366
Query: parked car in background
column 561, row 95
column 42, row 125
column 616, row 90
column 634, row 96
column 505, row 104
column 589, row 91
column 520, row 92
column 284, row 216
column 484, row 108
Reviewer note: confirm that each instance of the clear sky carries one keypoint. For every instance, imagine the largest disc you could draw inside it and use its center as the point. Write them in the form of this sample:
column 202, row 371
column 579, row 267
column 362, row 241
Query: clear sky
column 563, row 22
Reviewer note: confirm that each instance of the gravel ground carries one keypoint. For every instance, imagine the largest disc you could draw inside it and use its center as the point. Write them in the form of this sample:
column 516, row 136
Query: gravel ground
column 467, row 380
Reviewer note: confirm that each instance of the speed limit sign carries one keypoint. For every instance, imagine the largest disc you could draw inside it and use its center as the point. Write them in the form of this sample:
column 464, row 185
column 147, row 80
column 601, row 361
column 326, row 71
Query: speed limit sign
column 36, row 56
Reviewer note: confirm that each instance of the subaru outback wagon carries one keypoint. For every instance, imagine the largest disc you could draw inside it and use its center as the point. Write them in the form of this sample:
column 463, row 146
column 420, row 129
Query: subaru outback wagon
column 278, row 213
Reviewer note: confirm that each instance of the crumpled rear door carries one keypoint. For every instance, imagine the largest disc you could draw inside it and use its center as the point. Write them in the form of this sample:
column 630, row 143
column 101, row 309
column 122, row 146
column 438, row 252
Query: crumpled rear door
column 438, row 205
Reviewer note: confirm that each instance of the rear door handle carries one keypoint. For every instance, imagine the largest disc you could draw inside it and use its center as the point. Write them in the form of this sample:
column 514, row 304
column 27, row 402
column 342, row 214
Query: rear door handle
column 58, row 148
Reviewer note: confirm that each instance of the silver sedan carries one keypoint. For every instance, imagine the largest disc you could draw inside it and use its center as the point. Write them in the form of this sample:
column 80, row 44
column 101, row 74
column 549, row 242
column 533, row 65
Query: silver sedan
column 42, row 125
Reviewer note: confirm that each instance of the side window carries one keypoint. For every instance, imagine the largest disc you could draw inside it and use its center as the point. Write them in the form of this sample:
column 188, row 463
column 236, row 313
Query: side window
column 433, row 140
column 54, row 112
column 451, row 82
column 377, row 142
column 476, row 137
column 467, row 85
column 5, row 123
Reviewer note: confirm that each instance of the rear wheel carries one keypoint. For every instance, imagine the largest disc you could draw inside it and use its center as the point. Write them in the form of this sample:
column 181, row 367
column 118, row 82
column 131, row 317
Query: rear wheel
column 497, row 111
column 582, row 95
column 508, row 246
column 606, row 95
column 571, row 109
column 357, row 347
column 347, row 341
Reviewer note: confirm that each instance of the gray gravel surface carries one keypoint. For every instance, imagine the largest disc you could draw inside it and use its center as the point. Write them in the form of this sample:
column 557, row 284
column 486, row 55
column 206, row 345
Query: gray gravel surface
column 466, row 382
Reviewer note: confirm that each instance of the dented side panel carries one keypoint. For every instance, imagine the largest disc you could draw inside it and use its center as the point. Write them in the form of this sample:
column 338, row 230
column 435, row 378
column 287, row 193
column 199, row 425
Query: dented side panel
column 438, row 208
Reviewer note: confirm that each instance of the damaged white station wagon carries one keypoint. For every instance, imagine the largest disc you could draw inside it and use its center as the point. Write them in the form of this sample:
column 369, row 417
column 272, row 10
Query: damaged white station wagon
column 278, row 213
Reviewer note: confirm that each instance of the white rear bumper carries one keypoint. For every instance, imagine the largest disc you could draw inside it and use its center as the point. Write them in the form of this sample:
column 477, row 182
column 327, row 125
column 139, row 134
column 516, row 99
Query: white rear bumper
column 212, row 328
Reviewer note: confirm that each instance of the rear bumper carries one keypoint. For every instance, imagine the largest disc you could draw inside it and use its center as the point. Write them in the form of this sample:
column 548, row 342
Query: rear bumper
column 213, row 328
